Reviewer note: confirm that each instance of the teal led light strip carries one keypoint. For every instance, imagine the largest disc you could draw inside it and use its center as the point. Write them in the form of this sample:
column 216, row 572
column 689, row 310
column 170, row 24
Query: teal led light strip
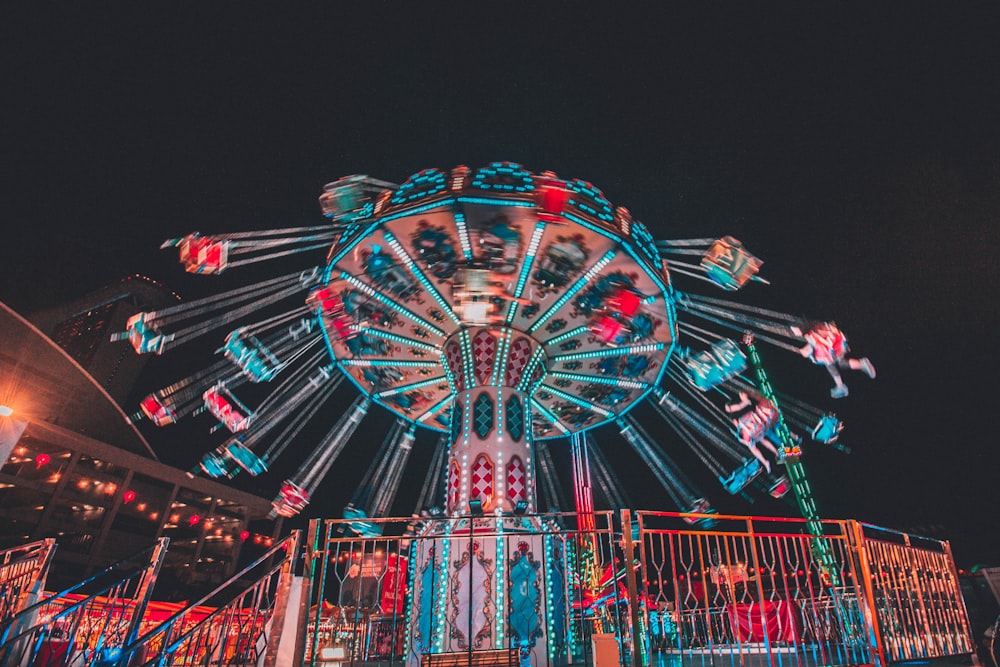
column 378, row 333
column 416, row 210
column 467, row 366
column 529, row 261
column 404, row 257
column 500, row 361
column 500, row 592
column 371, row 363
column 443, row 403
column 596, row 379
column 548, row 415
column 463, row 233
column 571, row 292
column 580, row 187
column 549, row 602
column 438, row 628
column 448, row 374
column 411, row 577
column 409, row 192
column 610, row 352
column 346, row 249
column 383, row 299
column 510, row 169
column 529, row 370
column 566, row 336
column 409, row 387
column 490, row 201
column 578, row 401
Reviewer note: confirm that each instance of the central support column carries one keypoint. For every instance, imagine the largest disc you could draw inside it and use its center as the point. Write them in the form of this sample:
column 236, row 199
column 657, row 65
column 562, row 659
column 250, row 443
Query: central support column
column 490, row 466
column 490, row 576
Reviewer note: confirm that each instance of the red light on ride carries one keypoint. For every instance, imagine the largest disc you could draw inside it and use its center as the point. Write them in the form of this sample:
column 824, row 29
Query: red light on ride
column 41, row 460
column 128, row 496
column 193, row 520
column 244, row 535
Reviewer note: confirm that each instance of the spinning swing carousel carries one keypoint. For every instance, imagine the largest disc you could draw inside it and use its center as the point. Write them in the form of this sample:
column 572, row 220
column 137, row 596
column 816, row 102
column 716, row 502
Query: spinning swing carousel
column 506, row 311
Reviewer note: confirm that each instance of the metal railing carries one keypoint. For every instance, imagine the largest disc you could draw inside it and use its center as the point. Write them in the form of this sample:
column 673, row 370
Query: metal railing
column 229, row 625
column 915, row 595
column 745, row 586
column 395, row 598
column 547, row 590
column 89, row 622
column 755, row 585
column 23, row 570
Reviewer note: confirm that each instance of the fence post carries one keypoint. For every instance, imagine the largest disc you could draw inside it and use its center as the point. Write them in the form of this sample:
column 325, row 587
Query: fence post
column 285, row 578
column 856, row 537
column 633, row 589
column 314, row 547
column 145, row 591
column 963, row 608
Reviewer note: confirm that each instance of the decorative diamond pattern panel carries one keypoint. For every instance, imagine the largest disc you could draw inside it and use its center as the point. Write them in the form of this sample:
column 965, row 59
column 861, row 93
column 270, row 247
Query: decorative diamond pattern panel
column 520, row 353
column 453, row 355
column 484, row 348
column 456, row 421
column 482, row 415
column 516, row 486
column 515, row 418
column 482, row 480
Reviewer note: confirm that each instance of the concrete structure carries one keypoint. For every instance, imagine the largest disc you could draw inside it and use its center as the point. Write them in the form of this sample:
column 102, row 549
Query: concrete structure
column 74, row 467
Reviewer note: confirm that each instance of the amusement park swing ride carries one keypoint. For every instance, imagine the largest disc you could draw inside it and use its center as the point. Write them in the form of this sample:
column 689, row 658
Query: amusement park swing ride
column 509, row 312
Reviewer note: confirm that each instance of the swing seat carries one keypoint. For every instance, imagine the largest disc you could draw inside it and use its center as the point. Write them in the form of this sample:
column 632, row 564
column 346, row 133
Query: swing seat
column 343, row 198
column 610, row 330
column 740, row 478
column 827, row 430
column 255, row 360
column 728, row 264
column 143, row 338
column 215, row 465
column 291, row 499
column 780, row 487
column 224, row 407
column 624, row 302
column 203, row 254
column 551, row 198
column 156, row 411
column 710, row 368
column 355, row 517
column 246, row 458
column 700, row 506
column 326, row 301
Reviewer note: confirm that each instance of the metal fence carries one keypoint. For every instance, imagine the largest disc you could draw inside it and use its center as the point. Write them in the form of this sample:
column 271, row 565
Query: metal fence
column 231, row 625
column 914, row 593
column 653, row 588
column 755, row 586
column 87, row 623
column 535, row 585
column 23, row 570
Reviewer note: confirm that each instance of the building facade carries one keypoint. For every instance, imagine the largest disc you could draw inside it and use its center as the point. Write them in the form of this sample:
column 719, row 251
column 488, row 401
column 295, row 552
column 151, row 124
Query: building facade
column 75, row 468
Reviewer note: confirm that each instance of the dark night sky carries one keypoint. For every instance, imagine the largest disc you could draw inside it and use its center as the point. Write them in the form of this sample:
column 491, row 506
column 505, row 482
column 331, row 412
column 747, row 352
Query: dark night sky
column 856, row 151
